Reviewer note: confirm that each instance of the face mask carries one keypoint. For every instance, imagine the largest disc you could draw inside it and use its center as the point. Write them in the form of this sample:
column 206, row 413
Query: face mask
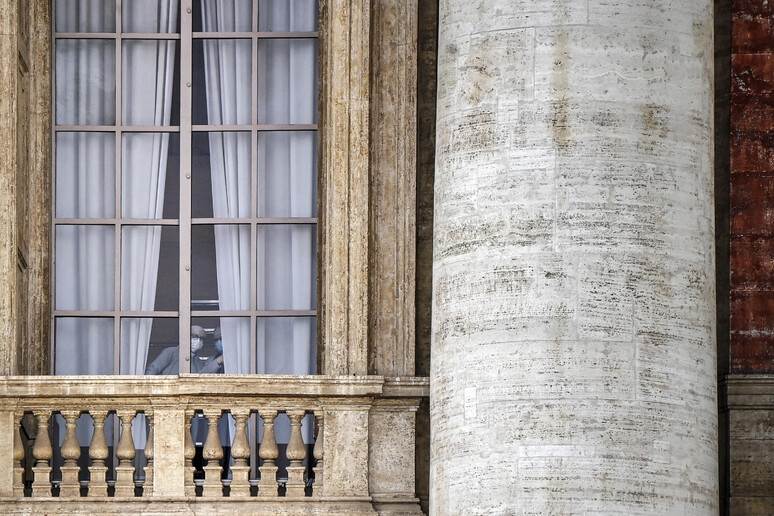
column 196, row 344
column 219, row 346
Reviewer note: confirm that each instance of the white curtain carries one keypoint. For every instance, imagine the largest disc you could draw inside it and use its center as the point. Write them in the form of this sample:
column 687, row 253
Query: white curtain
column 147, row 100
column 85, row 278
column 286, row 183
column 228, row 73
column 85, row 188
column 287, row 71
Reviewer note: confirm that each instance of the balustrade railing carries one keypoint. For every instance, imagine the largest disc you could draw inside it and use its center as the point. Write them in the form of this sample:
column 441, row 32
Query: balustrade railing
column 141, row 437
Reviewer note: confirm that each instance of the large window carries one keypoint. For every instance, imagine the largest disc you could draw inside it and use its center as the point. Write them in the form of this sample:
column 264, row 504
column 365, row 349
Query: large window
column 185, row 186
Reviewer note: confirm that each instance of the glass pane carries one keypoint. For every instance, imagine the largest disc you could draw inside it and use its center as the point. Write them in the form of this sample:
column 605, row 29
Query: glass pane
column 220, row 267
column 222, row 78
column 287, row 267
column 220, row 344
column 287, row 15
column 149, row 268
column 149, row 93
column 85, row 267
column 84, row 345
column 85, row 175
column 222, row 167
column 150, row 163
column 220, row 16
column 287, row 345
column 149, row 15
column 287, row 174
column 86, row 16
column 149, row 346
column 85, row 82
column 287, row 81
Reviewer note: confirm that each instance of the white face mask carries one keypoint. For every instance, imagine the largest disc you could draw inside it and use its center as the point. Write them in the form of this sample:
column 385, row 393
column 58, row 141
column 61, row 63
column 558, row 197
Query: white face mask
column 196, row 344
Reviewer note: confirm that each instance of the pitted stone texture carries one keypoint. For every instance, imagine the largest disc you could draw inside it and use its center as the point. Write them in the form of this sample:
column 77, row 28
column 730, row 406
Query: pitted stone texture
column 573, row 366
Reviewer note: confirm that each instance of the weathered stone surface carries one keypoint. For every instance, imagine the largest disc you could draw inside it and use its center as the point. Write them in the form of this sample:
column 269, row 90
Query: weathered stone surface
column 24, row 173
column 391, row 429
column 392, row 253
column 750, row 410
column 573, row 364
column 344, row 186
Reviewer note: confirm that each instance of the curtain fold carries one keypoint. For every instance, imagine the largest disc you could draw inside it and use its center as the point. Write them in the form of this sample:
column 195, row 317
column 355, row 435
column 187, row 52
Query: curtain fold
column 228, row 75
column 148, row 101
column 85, row 94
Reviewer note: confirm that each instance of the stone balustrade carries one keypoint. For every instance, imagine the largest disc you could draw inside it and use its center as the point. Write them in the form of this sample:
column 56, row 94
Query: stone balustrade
column 192, row 438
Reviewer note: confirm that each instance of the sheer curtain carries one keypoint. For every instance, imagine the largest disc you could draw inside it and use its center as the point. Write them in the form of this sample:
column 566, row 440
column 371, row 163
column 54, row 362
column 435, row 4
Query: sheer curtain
column 228, row 73
column 86, row 191
column 85, row 188
column 85, row 95
column 286, row 255
column 147, row 83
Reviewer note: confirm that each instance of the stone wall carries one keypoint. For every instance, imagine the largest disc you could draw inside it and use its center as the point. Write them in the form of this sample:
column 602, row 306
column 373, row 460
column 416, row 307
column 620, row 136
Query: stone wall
column 24, row 186
column 752, row 188
column 573, row 353
column 749, row 412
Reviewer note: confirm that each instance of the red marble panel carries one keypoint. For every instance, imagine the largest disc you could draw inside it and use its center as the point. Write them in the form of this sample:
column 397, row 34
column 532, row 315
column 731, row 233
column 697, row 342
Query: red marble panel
column 752, row 34
column 752, row 113
column 752, row 353
column 752, row 312
column 752, row 7
column 752, row 74
column 752, row 152
column 752, row 205
column 752, row 264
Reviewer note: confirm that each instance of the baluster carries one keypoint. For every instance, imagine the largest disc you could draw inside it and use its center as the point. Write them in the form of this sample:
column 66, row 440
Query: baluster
column 319, row 470
column 98, row 453
column 190, row 453
column 212, row 453
column 71, row 450
column 296, row 454
column 42, row 452
column 269, row 452
column 240, row 450
column 125, row 453
column 147, row 488
column 18, row 457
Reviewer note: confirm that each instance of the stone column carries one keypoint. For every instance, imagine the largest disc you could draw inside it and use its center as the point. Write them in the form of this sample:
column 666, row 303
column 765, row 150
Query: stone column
column 573, row 351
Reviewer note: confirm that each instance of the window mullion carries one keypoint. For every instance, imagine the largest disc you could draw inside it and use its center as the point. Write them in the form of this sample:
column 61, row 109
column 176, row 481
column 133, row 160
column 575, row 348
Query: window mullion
column 186, row 77
column 118, row 185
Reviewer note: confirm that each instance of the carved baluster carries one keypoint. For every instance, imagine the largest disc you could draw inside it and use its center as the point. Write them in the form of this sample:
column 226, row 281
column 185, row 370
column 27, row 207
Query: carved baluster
column 190, row 453
column 269, row 452
column 147, row 489
column 212, row 453
column 125, row 453
column 319, row 469
column 18, row 457
column 98, row 453
column 71, row 450
column 240, row 450
column 296, row 454
column 42, row 452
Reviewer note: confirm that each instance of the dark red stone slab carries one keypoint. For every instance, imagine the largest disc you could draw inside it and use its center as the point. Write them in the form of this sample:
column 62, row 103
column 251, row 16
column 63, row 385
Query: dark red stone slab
column 752, row 264
column 752, row 353
column 752, row 74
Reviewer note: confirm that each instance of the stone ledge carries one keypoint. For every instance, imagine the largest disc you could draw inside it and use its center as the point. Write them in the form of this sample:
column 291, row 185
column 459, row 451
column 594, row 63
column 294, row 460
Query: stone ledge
column 224, row 506
column 747, row 391
column 312, row 386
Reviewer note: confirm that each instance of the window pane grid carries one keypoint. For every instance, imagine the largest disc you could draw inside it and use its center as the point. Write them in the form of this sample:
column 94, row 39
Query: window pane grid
column 185, row 129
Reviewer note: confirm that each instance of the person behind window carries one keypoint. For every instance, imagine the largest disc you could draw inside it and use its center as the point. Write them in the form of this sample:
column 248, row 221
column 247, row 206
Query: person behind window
column 201, row 361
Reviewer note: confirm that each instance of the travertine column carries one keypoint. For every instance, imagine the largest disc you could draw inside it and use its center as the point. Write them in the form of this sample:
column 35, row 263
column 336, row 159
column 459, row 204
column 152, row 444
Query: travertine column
column 573, row 361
